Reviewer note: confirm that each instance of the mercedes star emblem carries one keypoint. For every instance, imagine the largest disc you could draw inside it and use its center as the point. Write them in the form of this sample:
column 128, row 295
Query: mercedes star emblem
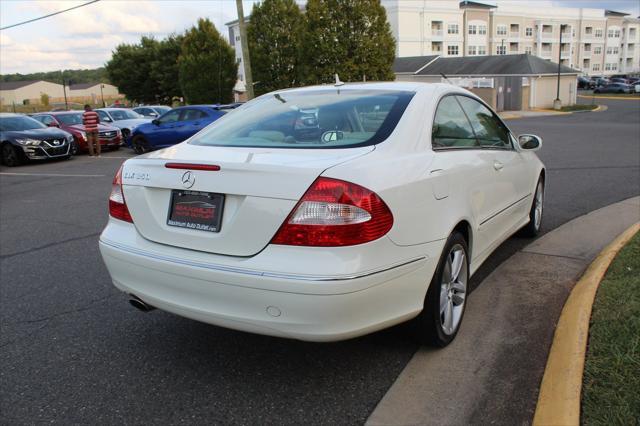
column 188, row 179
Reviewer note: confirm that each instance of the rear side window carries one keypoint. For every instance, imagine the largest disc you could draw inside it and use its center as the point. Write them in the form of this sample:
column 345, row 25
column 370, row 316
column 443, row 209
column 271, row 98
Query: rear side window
column 451, row 129
column 192, row 114
column 334, row 118
column 489, row 130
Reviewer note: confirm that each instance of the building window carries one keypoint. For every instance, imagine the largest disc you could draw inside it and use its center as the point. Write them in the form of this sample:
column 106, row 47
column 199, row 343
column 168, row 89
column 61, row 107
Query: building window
column 598, row 32
column 607, row 67
column 473, row 29
column 452, row 50
column 472, row 51
column 587, row 47
column 528, row 32
column 596, row 67
column 452, row 29
column 616, row 34
column 501, row 50
column 501, row 30
column 238, row 38
column 612, row 51
column 597, row 50
column 614, row 67
column 588, row 30
column 482, row 29
column 528, row 50
column 482, row 50
column 238, row 61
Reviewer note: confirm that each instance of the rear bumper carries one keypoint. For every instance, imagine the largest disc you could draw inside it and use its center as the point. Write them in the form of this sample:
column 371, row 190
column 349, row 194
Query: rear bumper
column 316, row 307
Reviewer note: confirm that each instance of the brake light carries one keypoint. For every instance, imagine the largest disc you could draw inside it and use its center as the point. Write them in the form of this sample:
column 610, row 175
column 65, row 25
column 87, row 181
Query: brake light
column 335, row 213
column 117, row 204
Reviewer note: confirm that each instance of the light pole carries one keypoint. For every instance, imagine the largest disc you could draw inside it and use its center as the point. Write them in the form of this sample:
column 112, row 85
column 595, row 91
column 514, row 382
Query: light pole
column 64, row 90
column 244, row 45
column 557, row 103
column 102, row 95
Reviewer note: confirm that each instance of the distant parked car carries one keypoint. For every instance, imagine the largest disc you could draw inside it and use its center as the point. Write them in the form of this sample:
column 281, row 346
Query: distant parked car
column 599, row 81
column 619, row 80
column 71, row 121
column 175, row 126
column 124, row 119
column 585, row 83
column 24, row 138
column 613, row 88
column 152, row 111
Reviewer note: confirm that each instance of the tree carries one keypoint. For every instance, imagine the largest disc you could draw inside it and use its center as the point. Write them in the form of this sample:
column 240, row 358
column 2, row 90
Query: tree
column 207, row 66
column 349, row 37
column 274, row 35
column 130, row 68
column 165, row 70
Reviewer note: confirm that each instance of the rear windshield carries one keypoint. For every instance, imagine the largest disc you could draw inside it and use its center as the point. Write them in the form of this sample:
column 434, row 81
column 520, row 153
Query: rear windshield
column 313, row 119
column 17, row 123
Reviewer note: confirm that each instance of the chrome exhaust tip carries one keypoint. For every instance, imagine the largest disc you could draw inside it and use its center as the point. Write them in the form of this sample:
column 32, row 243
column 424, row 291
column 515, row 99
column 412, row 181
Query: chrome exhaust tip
column 136, row 302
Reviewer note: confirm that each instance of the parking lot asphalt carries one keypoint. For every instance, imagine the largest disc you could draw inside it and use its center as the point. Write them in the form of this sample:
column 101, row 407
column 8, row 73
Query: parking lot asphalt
column 72, row 350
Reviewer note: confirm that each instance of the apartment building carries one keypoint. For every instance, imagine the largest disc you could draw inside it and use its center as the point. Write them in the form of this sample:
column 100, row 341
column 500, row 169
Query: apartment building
column 594, row 41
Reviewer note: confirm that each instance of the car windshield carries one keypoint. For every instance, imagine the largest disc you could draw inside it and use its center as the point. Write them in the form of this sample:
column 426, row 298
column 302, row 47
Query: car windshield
column 310, row 119
column 124, row 114
column 162, row 109
column 17, row 123
column 70, row 119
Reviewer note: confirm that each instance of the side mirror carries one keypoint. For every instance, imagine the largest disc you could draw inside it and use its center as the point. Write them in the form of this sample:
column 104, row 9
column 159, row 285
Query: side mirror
column 156, row 122
column 107, row 119
column 53, row 124
column 153, row 114
column 530, row 142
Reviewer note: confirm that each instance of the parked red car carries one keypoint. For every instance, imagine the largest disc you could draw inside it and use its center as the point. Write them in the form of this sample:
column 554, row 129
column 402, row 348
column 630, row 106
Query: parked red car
column 71, row 121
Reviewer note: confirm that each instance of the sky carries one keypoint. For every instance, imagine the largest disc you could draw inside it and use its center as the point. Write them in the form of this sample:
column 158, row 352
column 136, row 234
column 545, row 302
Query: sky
column 85, row 37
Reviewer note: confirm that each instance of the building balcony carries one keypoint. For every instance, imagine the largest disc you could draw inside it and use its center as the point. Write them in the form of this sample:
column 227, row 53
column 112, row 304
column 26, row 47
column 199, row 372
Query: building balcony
column 565, row 54
column 437, row 32
column 514, row 34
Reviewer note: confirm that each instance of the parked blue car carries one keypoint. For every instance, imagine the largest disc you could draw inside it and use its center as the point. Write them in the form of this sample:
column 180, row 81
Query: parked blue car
column 175, row 126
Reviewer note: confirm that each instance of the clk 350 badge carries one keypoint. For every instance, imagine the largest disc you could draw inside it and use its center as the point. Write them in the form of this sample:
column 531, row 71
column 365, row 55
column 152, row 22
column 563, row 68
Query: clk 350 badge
column 136, row 176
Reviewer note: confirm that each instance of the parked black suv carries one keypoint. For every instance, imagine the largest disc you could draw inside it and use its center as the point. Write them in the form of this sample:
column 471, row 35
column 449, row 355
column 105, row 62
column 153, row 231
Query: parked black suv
column 23, row 138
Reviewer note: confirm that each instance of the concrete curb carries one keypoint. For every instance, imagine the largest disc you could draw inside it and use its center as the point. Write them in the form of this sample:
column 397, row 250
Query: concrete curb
column 560, row 392
column 546, row 113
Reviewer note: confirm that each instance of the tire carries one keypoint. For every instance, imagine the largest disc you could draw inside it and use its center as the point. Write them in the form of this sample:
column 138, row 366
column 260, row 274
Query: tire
column 74, row 148
column 10, row 155
column 140, row 145
column 535, row 214
column 447, row 293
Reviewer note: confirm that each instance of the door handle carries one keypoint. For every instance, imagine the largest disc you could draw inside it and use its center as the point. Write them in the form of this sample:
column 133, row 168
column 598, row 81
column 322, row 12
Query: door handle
column 498, row 165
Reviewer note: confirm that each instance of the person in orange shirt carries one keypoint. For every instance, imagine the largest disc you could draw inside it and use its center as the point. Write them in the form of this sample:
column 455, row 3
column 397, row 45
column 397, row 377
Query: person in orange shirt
column 91, row 119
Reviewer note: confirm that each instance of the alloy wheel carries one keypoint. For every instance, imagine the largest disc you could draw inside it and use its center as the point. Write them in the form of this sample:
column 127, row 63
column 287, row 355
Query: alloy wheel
column 453, row 289
column 539, row 201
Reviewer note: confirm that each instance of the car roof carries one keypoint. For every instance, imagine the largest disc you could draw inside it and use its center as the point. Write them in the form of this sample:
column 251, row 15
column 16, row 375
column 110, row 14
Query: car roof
column 403, row 86
column 10, row 114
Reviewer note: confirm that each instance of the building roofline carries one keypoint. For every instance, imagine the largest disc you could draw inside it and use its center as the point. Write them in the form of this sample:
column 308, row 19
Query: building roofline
column 467, row 3
column 608, row 12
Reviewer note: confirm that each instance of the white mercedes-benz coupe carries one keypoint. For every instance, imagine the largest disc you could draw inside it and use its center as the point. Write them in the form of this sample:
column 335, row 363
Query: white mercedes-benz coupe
column 325, row 213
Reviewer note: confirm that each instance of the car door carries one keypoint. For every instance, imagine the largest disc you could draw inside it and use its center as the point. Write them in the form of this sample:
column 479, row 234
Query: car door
column 163, row 132
column 191, row 122
column 509, row 191
column 461, row 173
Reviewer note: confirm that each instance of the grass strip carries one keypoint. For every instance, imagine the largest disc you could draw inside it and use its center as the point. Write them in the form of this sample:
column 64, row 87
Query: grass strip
column 611, row 383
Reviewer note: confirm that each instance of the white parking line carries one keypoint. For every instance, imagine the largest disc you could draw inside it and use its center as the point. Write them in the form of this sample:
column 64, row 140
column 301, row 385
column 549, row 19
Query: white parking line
column 47, row 175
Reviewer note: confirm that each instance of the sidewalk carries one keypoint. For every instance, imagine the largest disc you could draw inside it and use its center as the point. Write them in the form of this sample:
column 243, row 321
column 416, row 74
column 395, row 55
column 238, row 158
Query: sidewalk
column 492, row 372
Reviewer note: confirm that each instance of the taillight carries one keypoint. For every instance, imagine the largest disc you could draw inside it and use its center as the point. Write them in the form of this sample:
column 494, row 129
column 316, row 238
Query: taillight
column 117, row 204
column 335, row 213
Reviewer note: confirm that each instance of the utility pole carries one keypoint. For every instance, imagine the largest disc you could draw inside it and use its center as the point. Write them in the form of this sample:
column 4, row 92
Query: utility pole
column 244, row 44
column 557, row 103
column 102, row 95
column 64, row 90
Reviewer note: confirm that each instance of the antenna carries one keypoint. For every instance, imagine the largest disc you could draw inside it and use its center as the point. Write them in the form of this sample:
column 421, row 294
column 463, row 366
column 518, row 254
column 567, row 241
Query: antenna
column 338, row 82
